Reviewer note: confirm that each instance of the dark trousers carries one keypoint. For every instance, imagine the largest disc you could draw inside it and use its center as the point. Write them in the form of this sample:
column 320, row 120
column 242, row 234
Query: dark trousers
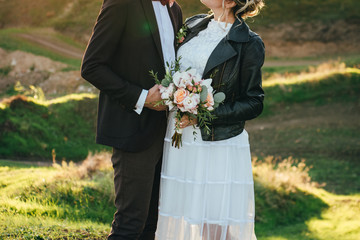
column 136, row 180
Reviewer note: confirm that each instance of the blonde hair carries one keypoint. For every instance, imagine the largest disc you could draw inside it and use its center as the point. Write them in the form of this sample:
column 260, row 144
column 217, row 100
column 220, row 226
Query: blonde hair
column 247, row 8
column 244, row 8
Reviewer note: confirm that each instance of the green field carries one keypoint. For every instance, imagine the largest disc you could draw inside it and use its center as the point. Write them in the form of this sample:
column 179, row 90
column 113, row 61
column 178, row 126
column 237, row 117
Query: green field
column 305, row 148
column 305, row 145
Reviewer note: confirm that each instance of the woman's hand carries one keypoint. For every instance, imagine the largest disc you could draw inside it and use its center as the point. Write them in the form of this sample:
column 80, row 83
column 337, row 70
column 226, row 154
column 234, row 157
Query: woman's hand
column 187, row 121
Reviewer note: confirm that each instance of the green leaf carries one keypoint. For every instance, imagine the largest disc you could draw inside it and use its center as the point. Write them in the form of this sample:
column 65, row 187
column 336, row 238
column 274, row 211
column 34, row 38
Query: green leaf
column 219, row 97
column 155, row 77
column 203, row 94
column 165, row 82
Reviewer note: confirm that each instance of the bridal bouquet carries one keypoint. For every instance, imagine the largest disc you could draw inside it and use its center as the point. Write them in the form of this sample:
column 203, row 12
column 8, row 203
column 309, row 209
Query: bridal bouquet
column 190, row 95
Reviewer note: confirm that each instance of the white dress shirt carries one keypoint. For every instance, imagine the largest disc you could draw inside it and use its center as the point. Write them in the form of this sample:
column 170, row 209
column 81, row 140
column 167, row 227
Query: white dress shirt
column 167, row 44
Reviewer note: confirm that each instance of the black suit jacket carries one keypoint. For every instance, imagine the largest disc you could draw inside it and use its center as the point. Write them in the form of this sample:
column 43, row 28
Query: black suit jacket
column 124, row 47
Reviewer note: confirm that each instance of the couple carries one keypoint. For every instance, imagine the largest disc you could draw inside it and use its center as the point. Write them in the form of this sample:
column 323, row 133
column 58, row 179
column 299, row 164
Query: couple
column 206, row 189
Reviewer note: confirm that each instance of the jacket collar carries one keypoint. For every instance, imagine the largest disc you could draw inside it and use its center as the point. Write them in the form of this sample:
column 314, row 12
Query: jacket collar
column 238, row 33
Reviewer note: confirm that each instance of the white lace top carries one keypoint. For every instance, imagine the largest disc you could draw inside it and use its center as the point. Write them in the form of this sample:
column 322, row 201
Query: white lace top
column 197, row 51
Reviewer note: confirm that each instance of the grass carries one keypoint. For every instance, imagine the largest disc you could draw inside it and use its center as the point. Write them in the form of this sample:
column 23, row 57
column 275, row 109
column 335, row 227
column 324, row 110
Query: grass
column 5, row 71
column 35, row 129
column 27, row 227
column 80, row 20
column 332, row 150
column 75, row 202
column 54, row 202
column 316, row 87
column 313, row 116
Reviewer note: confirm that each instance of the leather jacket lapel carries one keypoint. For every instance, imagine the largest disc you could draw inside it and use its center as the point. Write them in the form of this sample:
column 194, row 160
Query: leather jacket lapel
column 238, row 33
column 221, row 53
column 152, row 25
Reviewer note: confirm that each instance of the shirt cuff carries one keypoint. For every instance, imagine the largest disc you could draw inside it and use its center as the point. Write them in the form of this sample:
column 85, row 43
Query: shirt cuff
column 141, row 101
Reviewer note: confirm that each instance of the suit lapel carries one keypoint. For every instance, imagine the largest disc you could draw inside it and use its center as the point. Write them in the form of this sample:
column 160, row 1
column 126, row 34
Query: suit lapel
column 173, row 20
column 151, row 18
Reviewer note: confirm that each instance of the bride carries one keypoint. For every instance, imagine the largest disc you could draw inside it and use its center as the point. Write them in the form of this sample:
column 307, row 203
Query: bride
column 207, row 190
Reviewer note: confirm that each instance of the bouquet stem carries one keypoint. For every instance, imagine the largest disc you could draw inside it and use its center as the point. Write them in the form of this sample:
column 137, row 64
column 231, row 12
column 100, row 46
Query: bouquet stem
column 177, row 139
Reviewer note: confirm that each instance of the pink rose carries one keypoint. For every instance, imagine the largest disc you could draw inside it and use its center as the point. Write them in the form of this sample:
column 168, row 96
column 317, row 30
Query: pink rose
column 180, row 95
column 190, row 88
column 209, row 101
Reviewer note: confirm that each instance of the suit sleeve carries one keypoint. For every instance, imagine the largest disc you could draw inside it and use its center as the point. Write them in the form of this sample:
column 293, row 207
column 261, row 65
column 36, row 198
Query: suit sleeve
column 96, row 68
column 250, row 102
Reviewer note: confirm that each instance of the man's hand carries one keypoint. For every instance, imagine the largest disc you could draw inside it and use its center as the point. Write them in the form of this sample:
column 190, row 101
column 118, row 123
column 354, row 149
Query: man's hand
column 152, row 98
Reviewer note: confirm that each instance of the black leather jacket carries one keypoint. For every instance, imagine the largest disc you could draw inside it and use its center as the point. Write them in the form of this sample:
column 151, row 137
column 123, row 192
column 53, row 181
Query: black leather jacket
column 236, row 63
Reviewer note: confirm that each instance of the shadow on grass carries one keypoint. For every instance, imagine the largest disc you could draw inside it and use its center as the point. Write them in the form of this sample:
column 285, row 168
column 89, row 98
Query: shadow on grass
column 277, row 209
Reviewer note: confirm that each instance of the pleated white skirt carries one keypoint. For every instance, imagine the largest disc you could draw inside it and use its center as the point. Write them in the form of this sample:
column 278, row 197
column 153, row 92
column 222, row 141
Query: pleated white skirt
column 206, row 189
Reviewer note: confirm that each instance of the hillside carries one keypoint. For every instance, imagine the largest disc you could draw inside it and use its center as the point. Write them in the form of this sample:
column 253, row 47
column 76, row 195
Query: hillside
column 75, row 13
column 299, row 29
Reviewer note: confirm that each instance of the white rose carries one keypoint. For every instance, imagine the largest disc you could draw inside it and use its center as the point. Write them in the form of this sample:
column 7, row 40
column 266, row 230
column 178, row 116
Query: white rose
column 195, row 76
column 167, row 92
column 181, row 79
column 170, row 104
column 207, row 83
column 190, row 103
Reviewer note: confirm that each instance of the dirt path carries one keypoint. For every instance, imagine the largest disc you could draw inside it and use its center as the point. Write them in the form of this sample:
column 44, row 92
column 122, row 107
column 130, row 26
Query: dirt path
column 54, row 45
column 70, row 51
column 288, row 63
column 306, row 114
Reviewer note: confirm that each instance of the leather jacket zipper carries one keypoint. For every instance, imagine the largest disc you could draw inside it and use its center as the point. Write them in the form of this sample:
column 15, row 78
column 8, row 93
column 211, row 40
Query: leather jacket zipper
column 222, row 74
column 221, row 78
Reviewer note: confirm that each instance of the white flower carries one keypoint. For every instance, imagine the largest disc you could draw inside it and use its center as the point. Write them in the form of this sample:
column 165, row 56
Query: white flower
column 194, row 76
column 190, row 103
column 207, row 83
column 181, row 79
column 170, row 104
column 167, row 92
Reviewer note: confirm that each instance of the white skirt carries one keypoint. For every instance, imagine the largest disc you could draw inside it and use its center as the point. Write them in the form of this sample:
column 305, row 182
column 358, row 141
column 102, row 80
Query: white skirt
column 207, row 190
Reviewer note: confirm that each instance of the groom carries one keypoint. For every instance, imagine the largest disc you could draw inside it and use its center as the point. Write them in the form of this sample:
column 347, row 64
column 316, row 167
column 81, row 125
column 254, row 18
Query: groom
column 130, row 38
